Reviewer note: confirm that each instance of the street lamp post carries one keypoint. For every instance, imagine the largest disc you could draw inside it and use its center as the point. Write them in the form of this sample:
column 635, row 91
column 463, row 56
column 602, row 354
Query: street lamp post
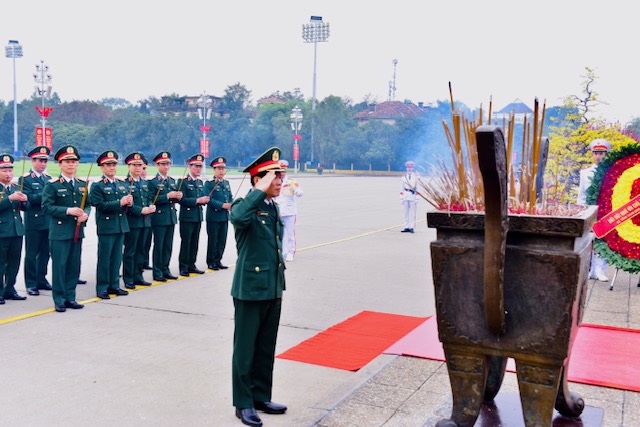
column 14, row 50
column 43, row 89
column 296, row 125
column 313, row 32
column 204, row 112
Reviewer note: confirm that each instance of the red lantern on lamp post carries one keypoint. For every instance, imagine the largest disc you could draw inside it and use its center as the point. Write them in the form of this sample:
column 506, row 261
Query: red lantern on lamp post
column 296, row 125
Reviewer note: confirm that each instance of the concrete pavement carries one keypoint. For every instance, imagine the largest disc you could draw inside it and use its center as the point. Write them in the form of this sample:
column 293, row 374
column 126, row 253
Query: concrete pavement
column 161, row 355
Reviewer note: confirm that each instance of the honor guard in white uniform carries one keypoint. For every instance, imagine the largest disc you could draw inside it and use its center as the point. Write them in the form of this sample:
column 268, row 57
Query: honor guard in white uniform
column 288, row 211
column 599, row 148
column 409, row 197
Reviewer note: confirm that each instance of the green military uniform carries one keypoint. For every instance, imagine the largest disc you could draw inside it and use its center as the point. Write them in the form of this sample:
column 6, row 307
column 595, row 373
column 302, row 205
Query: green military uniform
column 258, row 283
column 190, row 219
column 163, row 221
column 11, row 232
column 134, row 257
column 219, row 191
column 58, row 195
column 111, row 218
column 36, row 224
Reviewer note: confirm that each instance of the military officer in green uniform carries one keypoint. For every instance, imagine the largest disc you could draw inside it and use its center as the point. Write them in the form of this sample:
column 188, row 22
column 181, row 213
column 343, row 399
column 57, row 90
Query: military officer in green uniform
column 138, row 215
column 193, row 199
column 62, row 200
column 36, row 223
column 149, row 235
column 165, row 195
column 218, row 207
column 111, row 198
column 258, row 284
column 11, row 230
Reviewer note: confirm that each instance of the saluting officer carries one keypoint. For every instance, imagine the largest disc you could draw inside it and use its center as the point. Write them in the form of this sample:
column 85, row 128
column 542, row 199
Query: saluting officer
column 62, row 200
column 218, row 208
column 36, row 223
column 164, row 190
column 258, row 284
column 139, row 218
column 11, row 231
column 111, row 198
column 191, row 215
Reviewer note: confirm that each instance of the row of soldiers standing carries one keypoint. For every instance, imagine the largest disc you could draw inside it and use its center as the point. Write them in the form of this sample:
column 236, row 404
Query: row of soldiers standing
column 128, row 211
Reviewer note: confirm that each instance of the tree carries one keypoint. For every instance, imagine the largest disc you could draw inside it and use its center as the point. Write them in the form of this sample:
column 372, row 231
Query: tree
column 585, row 105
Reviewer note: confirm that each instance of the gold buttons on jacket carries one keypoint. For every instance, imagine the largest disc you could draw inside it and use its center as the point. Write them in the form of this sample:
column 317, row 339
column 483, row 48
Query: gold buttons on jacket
column 257, row 269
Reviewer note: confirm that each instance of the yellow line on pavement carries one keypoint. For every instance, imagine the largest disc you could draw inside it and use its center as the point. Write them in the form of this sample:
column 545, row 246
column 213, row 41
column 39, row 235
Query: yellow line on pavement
column 156, row 283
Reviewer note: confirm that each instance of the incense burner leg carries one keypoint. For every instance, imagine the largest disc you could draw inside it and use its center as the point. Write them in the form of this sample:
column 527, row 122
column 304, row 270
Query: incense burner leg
column 497, row 366
column 538, row 389
column 467, row 374
column 568, row 403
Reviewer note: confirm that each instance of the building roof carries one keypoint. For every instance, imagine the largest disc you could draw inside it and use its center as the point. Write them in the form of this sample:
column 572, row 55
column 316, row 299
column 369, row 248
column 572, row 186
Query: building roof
column 516, row 107
column 391, row 110
column 271, row 100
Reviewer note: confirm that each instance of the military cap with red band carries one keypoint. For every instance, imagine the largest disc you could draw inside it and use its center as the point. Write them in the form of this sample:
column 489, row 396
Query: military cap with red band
column 218, row 161
column 67, row 152
column 196, row 159
column 109, row 156
column 135, row 158
column 268, row 161
column 600, row 145
column 162, row 157
column 6, row 161
column 40, row 152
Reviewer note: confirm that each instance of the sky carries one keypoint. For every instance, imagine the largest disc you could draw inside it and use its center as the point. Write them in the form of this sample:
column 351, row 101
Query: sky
column 494, row 49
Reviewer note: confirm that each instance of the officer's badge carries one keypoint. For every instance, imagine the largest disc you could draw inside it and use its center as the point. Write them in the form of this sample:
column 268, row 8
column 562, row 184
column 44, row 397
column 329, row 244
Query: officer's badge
column 220, row 160
column 5, row 159
column 136, row 156
column 69, row 149
column 165, row 155
column 110, row 154
column 43, row 150
column 276, row 156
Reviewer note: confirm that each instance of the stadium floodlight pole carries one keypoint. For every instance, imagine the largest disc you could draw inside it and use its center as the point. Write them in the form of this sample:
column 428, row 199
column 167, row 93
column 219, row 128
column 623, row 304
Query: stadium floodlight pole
column 296, row 125
column 43, row 89
column 313, row 32
column 14, row 50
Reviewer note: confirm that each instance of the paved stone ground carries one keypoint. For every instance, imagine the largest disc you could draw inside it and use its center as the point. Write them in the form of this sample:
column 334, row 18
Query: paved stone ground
column 161, row 355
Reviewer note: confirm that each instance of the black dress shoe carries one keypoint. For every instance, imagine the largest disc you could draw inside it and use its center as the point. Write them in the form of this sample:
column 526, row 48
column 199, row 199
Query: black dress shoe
column 213, row 267
column 130, row 286
column 160, row 279
column 17, row 297
column 73, row 304
column 33, row 292
column 249, row 417
column 82, row 282
column 148, row 267
column 195, row 270
column 184, row 273
column 143, row 283
column 170, row 276
column 103, row 295
column 405, row 230
column 1, row 300
column 45, row 287
column 222, row 267
column 120, row 292
column 270, row 407
column 411, row 230
column 61, row 308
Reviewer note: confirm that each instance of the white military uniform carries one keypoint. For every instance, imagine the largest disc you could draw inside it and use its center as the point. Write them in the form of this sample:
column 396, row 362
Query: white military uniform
column 289, row 192
column 409, row 199
column 598, row 264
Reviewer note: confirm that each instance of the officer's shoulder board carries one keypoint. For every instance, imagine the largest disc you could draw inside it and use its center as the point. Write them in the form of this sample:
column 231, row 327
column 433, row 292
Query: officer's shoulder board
column 80, row 180
column 52, row 180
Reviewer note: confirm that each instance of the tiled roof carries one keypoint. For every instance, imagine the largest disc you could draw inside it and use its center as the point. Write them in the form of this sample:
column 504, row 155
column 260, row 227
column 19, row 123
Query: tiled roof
column 391, row 110
column 271, row 100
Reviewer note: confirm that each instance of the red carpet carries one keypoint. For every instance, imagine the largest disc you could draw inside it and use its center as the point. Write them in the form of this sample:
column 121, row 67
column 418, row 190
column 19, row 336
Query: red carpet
column 602, row 355
column 352, row 344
